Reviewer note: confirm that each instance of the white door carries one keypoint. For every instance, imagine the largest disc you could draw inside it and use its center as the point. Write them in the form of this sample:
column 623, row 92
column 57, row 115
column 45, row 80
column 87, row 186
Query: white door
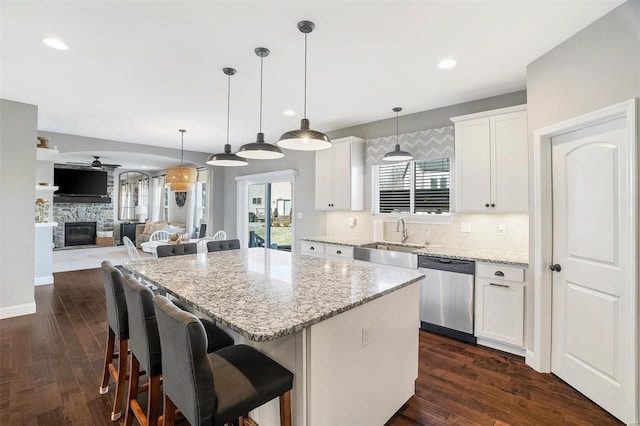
column 593, row 311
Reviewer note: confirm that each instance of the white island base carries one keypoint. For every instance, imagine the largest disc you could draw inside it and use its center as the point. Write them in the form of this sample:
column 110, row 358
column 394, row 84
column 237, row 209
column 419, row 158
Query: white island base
column 356, row 368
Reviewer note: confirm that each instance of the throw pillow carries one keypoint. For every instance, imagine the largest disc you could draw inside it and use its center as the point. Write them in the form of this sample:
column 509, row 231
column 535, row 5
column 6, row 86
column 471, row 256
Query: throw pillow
column 147, row 226
column 157, row 226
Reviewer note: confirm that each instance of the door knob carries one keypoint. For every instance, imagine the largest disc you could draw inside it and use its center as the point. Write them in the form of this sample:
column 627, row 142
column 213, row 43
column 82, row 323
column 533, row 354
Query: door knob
column 556, row 267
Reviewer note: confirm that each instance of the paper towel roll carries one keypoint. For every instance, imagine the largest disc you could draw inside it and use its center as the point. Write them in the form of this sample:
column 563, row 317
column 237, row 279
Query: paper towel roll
column 378, row 230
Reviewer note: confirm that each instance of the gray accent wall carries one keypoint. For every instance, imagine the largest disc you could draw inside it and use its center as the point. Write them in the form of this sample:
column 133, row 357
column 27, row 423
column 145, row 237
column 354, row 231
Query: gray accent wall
column 18, row 132
column 597, row 67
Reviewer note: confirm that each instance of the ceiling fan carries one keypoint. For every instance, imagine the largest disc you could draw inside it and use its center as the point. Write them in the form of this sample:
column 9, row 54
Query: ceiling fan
column 97, row 164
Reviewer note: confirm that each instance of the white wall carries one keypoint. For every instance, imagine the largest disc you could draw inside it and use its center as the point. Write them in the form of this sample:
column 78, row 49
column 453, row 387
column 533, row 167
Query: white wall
column 595, row 68
column 18, row 132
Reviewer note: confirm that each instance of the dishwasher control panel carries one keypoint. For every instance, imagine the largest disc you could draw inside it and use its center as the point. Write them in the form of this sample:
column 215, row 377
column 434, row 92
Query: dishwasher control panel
column 445, row 264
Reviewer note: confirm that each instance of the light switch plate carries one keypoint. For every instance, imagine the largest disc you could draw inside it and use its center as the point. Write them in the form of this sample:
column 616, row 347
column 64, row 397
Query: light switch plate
column 465, row 227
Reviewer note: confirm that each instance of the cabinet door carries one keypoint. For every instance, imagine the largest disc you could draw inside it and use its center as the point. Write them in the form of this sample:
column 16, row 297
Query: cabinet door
column 473, row 165
column 500, row 311
column 324, row 179
column 311, row 248
column 341, row 176
column 509, row 161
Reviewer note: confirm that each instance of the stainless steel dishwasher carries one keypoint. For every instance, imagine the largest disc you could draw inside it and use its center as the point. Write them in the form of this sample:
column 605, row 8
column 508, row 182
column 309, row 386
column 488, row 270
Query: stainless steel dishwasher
column 447, row 297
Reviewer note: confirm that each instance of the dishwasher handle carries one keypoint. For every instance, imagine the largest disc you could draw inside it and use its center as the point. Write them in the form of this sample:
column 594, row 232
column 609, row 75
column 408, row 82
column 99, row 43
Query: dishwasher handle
column 447, row 264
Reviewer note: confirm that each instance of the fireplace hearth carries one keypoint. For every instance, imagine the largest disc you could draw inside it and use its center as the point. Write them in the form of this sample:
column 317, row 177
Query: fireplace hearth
column 79, row 233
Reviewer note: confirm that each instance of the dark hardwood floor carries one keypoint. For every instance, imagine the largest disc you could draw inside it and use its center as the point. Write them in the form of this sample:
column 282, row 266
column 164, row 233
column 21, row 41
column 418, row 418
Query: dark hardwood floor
column 50, row 366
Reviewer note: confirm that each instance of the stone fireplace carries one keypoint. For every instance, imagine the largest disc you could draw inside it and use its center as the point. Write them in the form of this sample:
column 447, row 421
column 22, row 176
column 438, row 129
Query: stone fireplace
column 79, row 233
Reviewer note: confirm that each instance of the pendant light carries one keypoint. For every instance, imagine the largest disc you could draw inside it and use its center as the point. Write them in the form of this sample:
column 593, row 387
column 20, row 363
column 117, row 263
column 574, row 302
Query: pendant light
column 181, row 178
column 397, row 154
column 227, row 158
column 260, row 150
column 305, row 139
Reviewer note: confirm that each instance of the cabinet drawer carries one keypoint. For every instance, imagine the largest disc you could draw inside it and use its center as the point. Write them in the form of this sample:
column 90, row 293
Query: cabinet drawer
column 314, row 249
column 500, row 272
column 344, row 252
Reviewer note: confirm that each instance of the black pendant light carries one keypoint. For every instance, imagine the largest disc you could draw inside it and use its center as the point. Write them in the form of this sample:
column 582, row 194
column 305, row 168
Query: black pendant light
column 260, row 150
column 305, row 139
column 397, row 154
column 227, row 158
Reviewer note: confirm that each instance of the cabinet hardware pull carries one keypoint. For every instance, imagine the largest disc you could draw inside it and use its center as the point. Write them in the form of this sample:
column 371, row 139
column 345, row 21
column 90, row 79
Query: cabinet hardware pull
column 493, row 205
column 499, row 285
column 486, row 205
column 312, row 248
column 499, row 274
column 339, row 252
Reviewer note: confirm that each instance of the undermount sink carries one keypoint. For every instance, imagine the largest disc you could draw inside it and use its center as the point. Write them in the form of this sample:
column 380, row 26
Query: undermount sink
column 391, row 247
column 387, row 254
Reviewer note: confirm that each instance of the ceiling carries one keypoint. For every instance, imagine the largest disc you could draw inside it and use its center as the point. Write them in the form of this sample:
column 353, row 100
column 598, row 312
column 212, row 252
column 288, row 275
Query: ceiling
column 138, row 71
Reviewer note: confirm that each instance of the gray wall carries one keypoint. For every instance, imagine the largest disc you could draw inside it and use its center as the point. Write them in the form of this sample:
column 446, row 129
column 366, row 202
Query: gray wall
column 597, row 67
column 422, row 121
column 18, row 131
column 312, row 223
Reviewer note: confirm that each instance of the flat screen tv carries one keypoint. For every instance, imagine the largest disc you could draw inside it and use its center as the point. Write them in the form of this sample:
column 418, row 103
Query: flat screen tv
column 80, row 182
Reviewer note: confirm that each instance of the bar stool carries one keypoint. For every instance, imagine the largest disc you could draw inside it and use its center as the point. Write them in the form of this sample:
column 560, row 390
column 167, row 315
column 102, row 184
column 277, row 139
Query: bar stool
column 176, row 249
column 245, row 378
column 144, row 343
column 221, row 245
column 118, row 329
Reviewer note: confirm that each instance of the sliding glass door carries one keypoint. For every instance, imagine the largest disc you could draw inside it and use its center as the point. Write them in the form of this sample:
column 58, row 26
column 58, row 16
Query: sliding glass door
column 269, row 215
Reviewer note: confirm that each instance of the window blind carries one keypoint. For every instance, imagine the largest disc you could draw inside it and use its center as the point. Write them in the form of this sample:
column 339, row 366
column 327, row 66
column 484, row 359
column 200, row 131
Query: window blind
column 394, row 182
column 432, row 185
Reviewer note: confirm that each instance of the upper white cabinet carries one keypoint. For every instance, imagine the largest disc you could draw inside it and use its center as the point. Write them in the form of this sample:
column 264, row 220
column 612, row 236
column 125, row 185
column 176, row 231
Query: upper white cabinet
column 340, row 175
column 491, row 161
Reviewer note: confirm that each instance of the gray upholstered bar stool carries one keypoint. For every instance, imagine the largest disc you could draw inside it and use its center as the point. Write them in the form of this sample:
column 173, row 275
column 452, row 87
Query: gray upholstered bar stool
column 221, row 245
column 176, row 249
column 218, row 388
column 118, row 329
column 144, row 343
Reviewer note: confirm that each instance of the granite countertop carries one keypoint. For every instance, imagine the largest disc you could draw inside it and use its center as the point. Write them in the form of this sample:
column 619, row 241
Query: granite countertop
column 266, row 294
column 479, row 255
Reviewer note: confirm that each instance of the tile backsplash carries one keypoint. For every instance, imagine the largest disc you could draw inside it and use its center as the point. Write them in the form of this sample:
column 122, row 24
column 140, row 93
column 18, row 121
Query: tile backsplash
column 483, row 235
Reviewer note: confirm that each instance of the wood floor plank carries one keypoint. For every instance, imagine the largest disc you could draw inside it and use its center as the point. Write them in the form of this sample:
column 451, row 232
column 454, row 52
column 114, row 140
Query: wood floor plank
column 51, row 363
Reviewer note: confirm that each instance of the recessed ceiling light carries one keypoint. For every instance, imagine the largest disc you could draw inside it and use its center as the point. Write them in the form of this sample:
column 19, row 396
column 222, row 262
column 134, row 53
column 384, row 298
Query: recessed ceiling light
column 289, row 112
column 445, row 64
column 55, row 43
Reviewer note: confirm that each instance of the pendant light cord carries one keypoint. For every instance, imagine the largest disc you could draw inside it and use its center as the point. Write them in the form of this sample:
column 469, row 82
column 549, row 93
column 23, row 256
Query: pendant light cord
column 182, row 147
column 397, row 130
column 261, row 65
column 228, row 106
column 305, row 75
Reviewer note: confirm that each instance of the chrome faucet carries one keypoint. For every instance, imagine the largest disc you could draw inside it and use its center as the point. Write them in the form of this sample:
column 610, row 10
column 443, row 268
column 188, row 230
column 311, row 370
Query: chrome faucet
column 404, row 230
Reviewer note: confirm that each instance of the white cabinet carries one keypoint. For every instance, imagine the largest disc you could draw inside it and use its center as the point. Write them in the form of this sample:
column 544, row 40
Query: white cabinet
column 335, row 251
column 499, row 302
column 491, row 161
column 340, row 175
column 43, row 266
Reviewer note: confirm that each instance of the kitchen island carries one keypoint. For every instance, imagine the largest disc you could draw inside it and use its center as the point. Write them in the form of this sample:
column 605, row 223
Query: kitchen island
column 348, row 332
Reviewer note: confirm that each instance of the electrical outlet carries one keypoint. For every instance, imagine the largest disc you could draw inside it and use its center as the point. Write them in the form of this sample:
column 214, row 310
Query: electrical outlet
column 502, row 230
column 366, row 336
column 465, row 227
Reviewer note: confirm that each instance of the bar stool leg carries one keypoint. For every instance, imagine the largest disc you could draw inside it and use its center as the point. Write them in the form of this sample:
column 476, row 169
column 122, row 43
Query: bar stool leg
column 134, row 377
column 120, row 381
column 169, row 414
column 153, row 400
column 285, row 409
column 108, row 359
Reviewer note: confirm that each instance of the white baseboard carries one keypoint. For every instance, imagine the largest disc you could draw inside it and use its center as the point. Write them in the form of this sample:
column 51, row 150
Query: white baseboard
column 501, row 346
column 18, row 310
column 43, row 280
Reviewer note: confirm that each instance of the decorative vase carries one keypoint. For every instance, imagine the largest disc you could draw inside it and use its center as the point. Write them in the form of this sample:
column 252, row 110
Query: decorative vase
column 42, row 210
column 43, row 142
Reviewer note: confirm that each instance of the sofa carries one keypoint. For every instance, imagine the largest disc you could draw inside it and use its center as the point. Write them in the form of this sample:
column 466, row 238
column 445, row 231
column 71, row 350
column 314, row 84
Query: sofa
column 144, row 231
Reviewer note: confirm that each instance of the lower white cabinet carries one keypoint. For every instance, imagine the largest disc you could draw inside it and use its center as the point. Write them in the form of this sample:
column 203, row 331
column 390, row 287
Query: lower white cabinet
column 327, row 250
column 500, row 305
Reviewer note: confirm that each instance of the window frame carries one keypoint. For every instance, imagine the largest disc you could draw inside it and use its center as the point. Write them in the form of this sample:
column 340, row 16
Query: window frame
column 441, row 218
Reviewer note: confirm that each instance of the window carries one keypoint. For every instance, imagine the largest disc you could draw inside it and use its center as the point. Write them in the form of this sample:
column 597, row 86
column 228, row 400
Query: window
column 165, row 210
column 414, row 187
column 201, row 203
